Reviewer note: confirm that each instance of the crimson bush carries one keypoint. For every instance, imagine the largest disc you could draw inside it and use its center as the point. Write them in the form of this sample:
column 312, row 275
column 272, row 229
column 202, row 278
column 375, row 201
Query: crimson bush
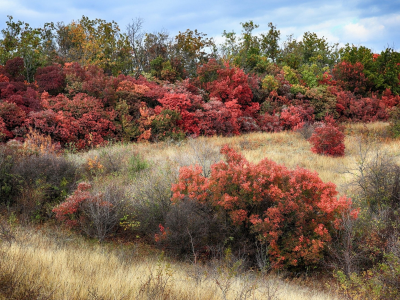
column 293, row 211
column 328, row 139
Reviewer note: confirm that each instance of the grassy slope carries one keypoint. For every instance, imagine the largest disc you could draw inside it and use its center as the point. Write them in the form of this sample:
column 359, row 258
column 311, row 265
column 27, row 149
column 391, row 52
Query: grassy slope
column 64, row 266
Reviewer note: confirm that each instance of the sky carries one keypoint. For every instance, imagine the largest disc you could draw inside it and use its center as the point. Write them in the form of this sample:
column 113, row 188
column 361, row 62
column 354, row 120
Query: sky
column 370, row 23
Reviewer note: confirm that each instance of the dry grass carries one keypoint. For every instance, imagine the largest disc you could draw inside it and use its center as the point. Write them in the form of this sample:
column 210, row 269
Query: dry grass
column 51, row 264
column 288, row 148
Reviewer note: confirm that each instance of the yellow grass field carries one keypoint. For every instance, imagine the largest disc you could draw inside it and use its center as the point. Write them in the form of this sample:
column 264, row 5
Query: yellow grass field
column 51, row 264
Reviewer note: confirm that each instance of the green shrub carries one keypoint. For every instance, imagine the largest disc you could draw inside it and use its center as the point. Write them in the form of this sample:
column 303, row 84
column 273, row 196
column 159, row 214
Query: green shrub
column 164, row 126
column 322, row 100
column 395, row 122
column 136, row 164
column 291, row 75
column 47, row 179
column 309, row 75
column 270, row 84
column 297, row 88
column 150, row 193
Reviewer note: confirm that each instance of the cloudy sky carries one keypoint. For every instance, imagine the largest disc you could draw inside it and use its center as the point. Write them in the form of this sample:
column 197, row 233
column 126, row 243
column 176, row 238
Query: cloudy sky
column 371, row 23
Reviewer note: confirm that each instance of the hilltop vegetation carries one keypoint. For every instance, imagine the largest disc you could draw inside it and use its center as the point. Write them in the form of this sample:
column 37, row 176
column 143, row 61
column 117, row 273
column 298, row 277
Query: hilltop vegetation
column 86, row 83
column 257, row 157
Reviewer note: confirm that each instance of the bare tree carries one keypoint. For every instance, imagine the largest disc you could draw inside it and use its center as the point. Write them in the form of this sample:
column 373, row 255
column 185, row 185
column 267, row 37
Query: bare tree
column 136, row 40
column 199, row 151
column 376, row 176
column 103, row 212
column 344, row 252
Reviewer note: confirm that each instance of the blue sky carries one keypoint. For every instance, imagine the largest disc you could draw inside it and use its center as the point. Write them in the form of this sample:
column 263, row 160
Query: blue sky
column 375, row 24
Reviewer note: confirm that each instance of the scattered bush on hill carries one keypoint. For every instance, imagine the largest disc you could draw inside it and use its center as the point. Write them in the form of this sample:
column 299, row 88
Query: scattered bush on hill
column 328, row 139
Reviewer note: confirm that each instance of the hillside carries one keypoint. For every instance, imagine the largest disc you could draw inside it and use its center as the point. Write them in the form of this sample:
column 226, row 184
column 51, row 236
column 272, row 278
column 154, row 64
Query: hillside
column 139, row 165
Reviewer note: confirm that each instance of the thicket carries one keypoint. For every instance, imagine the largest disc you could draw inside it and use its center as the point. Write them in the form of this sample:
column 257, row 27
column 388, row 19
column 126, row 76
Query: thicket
column 151, row 87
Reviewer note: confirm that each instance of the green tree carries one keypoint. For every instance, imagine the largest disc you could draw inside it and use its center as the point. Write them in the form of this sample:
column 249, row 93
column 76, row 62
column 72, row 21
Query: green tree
column 190, row 48
column 94, row 42
column 20, row 40
column 270, row 42
column 318, row 50
column 291, row 53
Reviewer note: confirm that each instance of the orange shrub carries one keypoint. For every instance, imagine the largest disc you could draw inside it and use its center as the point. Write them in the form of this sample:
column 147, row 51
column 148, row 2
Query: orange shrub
column 291, row 210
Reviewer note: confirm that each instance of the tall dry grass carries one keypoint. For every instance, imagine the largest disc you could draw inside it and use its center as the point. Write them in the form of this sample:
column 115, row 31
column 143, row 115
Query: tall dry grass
column 52, row 264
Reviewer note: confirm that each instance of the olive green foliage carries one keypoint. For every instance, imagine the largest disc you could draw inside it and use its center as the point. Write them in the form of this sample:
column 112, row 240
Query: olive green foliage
column 164, row 126
column 136, row 164
column 249, row 51
column 395, row 122
column 10, row 184
column 269, row 83
column 21, row 40
column 318, row 51
column 297, row 88
column 322, row 101
column 291, row 53
column 162, row 69
column 311, row 73
column 291, row 75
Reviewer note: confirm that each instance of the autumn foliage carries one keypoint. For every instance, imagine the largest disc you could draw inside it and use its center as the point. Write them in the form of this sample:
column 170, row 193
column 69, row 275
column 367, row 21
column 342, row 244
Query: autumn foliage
column 84, row 106
column 291, row 210
column 82, row 120
column 351, row 77
column 328, row 139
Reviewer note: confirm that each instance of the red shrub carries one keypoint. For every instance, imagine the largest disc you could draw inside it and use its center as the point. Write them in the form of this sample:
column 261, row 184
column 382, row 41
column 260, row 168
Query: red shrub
column 3, row 78
column 75, row 71
column 4, row 133
column 327, row 79
column 207, row 73
column 231, row 83
column 12, row 115
column 276, row 102
column 11, row 88
column 328, row 139
column 68, row 212
column 82, row 120
column 145, row 91
column 351, row 108
column 270, row 123
column 218, row 118
column 31, row 100
column 291, row 210
column 389, row 99
column 15, row 69
column 50, row 79
column 50, row 123
column 294, row 117
column 182, row 103
column 95, row 81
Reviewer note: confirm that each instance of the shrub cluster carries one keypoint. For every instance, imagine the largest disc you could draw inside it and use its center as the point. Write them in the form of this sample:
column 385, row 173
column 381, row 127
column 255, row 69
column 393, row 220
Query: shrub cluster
column 83, row 106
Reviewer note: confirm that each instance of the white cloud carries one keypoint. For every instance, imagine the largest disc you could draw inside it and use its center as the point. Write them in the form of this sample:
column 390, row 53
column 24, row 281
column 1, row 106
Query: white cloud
column 363, row 31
